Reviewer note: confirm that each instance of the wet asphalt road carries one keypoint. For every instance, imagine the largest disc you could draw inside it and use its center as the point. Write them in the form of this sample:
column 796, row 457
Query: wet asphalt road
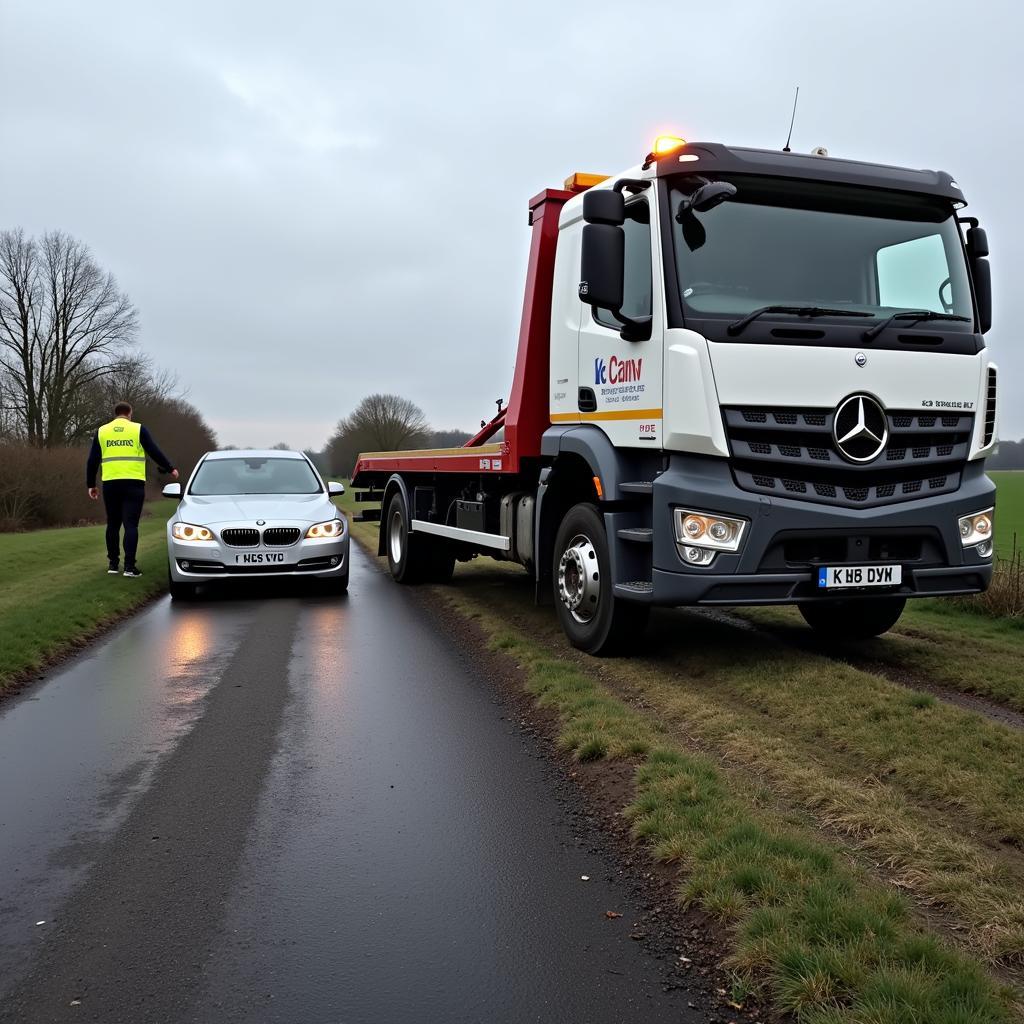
column 299, row 809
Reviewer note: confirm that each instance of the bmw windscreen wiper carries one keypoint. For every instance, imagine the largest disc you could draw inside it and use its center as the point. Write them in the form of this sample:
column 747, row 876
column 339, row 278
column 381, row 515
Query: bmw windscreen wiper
column 910, row 314
column 739, row 325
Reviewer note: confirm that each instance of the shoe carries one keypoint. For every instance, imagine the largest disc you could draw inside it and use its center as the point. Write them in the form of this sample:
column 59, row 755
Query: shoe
column 112, row 569
column 133, row 572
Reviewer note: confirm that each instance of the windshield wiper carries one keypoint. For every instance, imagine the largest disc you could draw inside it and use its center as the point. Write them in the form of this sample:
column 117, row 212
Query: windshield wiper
column 740, row 325
column 910, row 314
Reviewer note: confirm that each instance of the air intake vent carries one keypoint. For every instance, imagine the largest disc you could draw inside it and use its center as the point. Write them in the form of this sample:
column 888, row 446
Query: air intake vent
column 280, row 536
column 990, row 407
column 791, row 453
column 244, row 537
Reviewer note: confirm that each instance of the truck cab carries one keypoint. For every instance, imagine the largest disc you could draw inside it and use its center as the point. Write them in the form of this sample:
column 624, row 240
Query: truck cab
column 766, row 383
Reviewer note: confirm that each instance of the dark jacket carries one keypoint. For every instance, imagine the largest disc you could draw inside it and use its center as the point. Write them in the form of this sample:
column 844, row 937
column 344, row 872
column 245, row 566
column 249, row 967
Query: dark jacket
column 149, row 446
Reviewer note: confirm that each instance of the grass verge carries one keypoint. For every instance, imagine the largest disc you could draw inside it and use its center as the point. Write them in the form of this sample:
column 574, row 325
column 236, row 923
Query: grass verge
column 829, row 944
column 56, row 593
column 825, row 935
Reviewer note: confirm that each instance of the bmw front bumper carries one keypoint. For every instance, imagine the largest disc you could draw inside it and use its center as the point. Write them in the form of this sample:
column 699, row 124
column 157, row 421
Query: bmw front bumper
column 204, row 561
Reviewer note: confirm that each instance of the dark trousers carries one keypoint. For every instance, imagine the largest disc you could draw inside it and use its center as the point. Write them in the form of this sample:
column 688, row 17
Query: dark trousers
column 123, row 500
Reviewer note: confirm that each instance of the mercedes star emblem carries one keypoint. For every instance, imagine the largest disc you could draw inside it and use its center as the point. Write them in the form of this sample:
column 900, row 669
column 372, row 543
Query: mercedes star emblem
column 860, row 428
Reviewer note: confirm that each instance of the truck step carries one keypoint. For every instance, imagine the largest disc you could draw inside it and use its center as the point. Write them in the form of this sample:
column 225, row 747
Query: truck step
column 638, row 487
column 369, row 496
column 635, row 588
column 638, row 534
column 367, row 515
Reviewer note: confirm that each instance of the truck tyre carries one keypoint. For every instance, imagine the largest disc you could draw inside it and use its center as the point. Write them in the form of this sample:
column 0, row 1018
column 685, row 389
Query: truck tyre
column 853, row 620
column 593, row 619
column 406, row 554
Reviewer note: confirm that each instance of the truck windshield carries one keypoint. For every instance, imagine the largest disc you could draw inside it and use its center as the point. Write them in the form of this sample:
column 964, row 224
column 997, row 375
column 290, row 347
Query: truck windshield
column 803, row 243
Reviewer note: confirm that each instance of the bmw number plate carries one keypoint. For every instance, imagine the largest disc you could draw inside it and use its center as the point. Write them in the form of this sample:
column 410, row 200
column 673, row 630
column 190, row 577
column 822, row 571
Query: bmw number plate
column 260, row 558
column 846, row 577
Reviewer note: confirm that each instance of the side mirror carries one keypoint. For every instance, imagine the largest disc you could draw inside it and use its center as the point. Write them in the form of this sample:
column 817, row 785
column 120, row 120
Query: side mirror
column 977, row 243
column 981, row 272
column 334, row 489
column 602, row 266
column 172, row 491
column 707, row 197
column 604, row 206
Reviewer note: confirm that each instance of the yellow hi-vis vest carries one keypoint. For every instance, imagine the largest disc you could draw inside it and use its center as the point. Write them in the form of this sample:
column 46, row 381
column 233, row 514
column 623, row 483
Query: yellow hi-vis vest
column 121, row 453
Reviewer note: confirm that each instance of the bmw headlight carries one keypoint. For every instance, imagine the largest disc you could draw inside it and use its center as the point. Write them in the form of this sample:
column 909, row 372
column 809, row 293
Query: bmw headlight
column 332, row 528
column 186, row 531
column 976, row 531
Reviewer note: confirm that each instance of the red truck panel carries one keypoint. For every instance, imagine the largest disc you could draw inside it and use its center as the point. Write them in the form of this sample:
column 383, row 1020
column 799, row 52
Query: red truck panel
column 527, row 415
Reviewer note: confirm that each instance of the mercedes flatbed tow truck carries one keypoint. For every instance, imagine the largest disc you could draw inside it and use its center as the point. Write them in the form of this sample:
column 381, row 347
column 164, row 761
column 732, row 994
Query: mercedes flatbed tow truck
column 744, row 377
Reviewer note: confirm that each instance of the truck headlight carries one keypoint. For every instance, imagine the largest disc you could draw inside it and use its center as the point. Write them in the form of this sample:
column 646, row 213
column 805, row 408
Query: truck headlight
column 332, row 528
column 186, row 531
column 976, row 531
column 700, row 535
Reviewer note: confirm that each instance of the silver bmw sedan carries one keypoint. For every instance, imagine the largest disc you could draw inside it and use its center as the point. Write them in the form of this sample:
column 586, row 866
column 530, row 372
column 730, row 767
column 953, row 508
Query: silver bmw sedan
column 255, row 513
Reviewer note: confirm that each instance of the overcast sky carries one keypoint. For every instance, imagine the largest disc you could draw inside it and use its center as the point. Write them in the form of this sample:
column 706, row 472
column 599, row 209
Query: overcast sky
column 310, row 202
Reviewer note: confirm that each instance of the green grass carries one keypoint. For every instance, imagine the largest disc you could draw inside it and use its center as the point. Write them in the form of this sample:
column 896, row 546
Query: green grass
column 1009, row 510
column 827, row 942
column 56, row 592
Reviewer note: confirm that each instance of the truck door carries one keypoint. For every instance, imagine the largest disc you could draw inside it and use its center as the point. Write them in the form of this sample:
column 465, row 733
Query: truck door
column 620, row 380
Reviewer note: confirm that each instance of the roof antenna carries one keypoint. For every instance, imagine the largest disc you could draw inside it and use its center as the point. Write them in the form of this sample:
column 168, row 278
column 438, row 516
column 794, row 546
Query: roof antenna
column 785, row 148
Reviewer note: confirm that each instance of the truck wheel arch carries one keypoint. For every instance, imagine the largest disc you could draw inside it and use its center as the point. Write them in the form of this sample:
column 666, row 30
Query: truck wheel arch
column 591, row 445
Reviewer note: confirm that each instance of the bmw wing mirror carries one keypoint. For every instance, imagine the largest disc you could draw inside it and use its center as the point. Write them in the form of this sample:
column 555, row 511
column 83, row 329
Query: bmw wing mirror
column 334, row 489
column 172, row 491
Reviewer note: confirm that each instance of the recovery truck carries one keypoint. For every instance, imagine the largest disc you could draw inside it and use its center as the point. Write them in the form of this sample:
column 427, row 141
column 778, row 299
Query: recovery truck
column 744, row 377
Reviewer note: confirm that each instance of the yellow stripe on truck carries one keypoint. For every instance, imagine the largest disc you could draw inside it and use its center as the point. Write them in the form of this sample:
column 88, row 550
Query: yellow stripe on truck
column 611, row 414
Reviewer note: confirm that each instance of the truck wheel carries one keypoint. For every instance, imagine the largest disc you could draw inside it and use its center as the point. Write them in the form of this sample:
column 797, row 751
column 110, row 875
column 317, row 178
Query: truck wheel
column 853, row 620
column 405, row 552
column 593, row 619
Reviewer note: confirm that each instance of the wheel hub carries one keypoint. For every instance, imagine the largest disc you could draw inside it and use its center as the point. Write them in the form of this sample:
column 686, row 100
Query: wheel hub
column 395, row 537
column 579, row 579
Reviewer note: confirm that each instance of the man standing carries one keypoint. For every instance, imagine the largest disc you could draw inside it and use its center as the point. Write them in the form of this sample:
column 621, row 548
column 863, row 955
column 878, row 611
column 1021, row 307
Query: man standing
column 121, row 447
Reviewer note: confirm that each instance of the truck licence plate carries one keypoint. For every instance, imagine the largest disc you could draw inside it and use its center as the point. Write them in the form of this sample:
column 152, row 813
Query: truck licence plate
column 259, row 558
column 846, row 577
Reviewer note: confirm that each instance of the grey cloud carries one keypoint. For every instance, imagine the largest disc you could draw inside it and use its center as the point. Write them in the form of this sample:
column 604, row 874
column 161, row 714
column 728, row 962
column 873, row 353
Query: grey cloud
column 311, row 203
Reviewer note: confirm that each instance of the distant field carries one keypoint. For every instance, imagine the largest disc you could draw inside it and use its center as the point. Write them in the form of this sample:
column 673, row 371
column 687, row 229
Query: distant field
column 1009, row 510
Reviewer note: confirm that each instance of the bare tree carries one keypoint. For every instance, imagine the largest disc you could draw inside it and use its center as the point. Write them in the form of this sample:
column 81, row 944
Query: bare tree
column 378, row 423
column 65, row 327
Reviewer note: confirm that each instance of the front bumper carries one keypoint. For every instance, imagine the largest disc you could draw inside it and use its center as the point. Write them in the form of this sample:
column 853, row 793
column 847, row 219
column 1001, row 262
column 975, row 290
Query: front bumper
column 204, row 561
column 787, row 540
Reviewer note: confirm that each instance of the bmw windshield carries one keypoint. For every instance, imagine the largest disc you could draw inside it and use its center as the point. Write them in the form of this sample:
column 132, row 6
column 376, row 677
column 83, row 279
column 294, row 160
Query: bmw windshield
column 821, row 248
column 254, row 475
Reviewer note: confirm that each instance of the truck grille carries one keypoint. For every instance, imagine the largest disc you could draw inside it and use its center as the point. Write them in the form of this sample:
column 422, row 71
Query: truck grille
column 280, row 536
column 240, row 537
column 791, row 453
